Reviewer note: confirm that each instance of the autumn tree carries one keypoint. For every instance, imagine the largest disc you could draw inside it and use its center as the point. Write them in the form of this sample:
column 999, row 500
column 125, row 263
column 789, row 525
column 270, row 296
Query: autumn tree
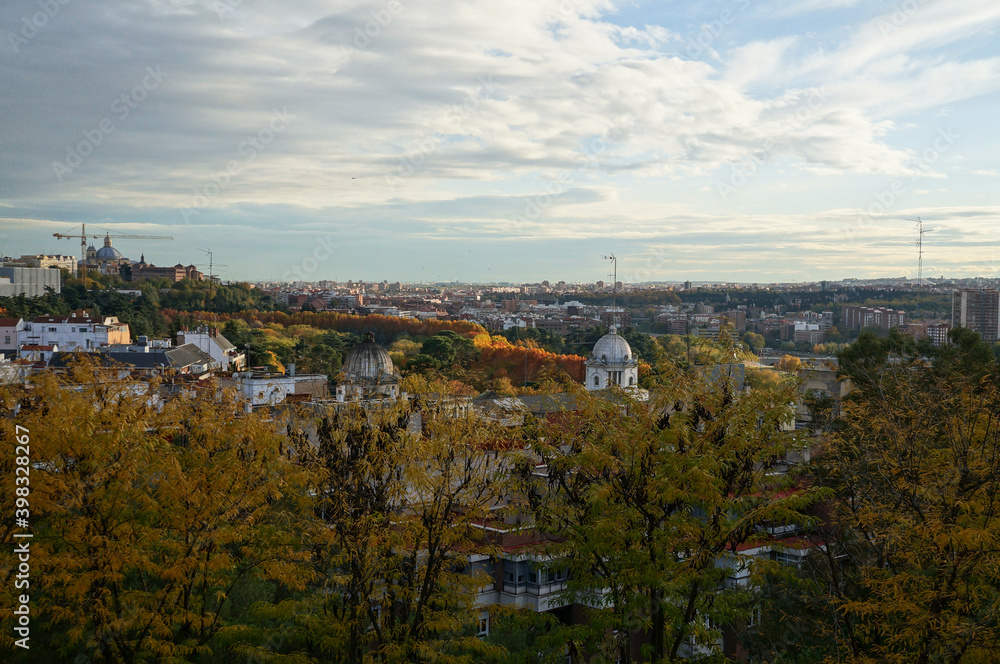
column 401, row 495
column 649, row 506
column 148, row 516
column 913, row 552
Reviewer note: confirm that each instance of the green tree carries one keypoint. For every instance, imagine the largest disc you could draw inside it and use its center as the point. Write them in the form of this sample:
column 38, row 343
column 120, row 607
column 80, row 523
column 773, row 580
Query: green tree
column 649, row 509
column 147, row 517
column 909, row 572
column 753, row 340
column 398, row 511
column 440, row 348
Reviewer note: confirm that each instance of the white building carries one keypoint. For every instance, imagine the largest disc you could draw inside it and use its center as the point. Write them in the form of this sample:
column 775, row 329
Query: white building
column 9, row 329
column 47, row 261
column 612, row 363
column 269, row 389
column 77, row 331
column 228, row 357
column 37, row 353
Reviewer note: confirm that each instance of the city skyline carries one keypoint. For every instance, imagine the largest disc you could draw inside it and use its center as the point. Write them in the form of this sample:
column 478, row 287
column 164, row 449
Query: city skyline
column 467, row 141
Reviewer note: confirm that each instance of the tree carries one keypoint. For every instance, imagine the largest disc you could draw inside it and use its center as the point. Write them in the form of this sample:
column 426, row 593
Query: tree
column 649, row 508
column 754, row 341
column 440, row 348
column 148, row 516
column 911, row 566
column 642, row 345
column 789, row 363
column 399, row 511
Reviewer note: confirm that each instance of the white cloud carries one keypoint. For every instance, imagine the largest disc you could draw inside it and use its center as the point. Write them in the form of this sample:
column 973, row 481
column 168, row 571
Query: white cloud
column 415, row 105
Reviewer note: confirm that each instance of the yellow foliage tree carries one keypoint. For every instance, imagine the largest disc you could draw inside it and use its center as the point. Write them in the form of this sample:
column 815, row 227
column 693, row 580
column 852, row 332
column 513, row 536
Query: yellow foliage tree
column 147, row 516
column 914, row 556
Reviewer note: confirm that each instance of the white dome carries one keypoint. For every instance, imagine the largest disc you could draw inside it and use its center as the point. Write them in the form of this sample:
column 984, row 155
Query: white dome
column 612, row 349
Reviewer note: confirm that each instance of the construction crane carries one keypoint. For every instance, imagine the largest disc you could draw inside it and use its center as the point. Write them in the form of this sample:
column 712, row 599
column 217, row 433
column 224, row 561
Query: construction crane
column 118, row 236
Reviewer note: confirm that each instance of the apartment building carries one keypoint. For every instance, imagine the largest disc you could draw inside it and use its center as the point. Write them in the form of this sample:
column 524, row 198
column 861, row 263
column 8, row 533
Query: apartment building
column 77, row 331
column 978, row 311
column 857, row 318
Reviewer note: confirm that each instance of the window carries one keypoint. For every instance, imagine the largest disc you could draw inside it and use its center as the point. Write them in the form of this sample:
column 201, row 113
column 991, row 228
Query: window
column 515, row 573
column 597, row 381
column 484, row 571
column 52, row 329
column 484, row 624
column 615, row 377
column 6, row 340
column 787, row 558
column 631, row 380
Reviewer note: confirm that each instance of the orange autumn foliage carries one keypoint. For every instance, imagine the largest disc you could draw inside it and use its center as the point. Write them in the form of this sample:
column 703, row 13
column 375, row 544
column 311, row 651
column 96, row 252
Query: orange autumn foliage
column 515, row 361
column 328, row 320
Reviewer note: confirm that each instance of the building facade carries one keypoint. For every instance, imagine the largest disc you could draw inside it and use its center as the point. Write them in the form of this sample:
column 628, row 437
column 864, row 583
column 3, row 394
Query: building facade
column 226, row 356
column 77, row 331
column 612, row 363
column 174, row 274
column 857, row 318
column 29, row 281
column 9, row 329
column 978, row 310
column 50, row 261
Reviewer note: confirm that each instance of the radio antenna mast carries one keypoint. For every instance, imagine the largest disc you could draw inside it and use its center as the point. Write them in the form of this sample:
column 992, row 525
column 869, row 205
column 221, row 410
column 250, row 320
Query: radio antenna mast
column 614, row 289
column 920, row 256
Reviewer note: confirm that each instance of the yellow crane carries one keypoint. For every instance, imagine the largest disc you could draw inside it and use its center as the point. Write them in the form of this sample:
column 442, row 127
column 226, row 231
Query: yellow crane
column 83, row 243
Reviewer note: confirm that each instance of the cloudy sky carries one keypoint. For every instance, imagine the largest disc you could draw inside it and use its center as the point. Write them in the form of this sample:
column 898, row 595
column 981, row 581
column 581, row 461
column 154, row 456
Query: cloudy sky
column 494, row 140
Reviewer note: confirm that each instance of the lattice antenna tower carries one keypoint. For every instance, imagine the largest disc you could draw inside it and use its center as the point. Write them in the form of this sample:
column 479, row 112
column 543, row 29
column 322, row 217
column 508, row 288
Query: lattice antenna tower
column 614, row 288
column 920, row 249
column 920, row 256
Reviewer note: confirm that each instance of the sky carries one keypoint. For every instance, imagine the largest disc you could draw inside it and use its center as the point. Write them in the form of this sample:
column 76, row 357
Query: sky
column 513, row 140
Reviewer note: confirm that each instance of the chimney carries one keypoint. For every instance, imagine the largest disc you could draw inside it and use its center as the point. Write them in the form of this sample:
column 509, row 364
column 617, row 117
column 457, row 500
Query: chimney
column 290, row 369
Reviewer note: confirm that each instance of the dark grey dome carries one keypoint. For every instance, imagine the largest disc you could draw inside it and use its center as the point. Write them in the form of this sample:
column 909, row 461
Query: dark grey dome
column 369, row 361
